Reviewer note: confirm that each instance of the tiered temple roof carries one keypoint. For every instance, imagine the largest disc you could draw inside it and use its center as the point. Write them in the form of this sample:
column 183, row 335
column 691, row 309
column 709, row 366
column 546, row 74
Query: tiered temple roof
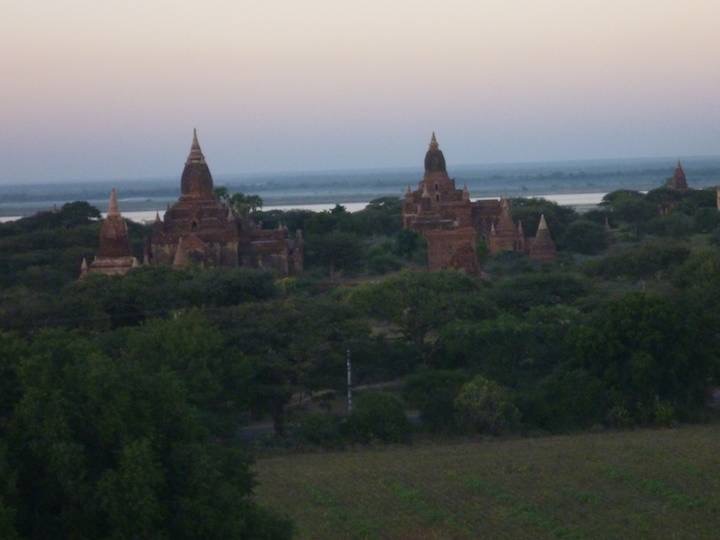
column 201, row 230
column 450, row 221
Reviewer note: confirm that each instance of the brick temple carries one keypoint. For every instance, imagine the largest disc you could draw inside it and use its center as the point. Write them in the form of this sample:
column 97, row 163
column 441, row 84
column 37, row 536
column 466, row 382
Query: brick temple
column 114, row 257
column 198, row 230
column 452, row 223
column 201, row 230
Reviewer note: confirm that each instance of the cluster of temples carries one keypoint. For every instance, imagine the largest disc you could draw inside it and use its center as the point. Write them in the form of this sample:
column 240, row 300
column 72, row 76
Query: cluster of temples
column 198, row 230
column 452, row 223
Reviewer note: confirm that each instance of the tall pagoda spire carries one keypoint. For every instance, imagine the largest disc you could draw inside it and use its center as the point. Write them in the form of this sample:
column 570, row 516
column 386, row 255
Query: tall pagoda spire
column 434, row 158
column 195, row 155
column 678, row 180
column 113, row 209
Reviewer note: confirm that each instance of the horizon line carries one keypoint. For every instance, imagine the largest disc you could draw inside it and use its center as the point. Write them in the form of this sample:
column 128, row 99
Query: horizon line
column 329, row 171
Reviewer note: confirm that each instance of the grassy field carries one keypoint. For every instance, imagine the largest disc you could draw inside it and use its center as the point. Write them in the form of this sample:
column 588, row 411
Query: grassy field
column 638, row 484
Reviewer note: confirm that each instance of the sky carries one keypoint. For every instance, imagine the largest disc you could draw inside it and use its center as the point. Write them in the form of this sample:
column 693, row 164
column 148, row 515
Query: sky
column 111, row 89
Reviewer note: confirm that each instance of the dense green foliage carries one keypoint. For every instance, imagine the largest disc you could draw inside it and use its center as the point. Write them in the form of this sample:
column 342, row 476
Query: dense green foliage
column 121, row 399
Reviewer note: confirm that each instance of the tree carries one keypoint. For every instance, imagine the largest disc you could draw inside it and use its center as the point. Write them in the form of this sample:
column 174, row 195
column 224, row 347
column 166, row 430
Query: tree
column 379, row 416
column 119, row 448
column 585, row 237
column 407, row 242
column 243, row 205
column 529, row 211
column 433, row 392
column 335, row 251
column 646, row 348
column 419, row 303
column 630, row 207
column 292, row 345
column 483, row 406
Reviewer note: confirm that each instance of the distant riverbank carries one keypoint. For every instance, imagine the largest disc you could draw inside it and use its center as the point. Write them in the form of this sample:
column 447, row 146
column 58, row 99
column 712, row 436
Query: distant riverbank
column 579, row 201
column 580, row 184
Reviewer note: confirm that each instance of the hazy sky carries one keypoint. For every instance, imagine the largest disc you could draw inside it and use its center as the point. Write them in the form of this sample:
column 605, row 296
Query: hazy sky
column 112, row 89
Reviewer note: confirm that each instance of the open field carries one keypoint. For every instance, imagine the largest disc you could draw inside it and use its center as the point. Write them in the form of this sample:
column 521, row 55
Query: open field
column 637, row 484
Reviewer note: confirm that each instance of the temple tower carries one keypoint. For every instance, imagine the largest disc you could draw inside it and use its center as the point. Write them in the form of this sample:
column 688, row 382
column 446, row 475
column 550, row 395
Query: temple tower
column 543, row 247
column 201, row 230
column 114, row 255
column 678, row 180
column 504, row 233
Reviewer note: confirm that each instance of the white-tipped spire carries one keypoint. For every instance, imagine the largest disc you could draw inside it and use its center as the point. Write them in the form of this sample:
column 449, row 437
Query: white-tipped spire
column 543, row 224
column 113, row 209
column 425, row 192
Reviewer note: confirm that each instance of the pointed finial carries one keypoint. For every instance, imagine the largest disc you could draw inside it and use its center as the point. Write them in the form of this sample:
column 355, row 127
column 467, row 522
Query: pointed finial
column 543, row 223
column 521, row 232
column 492, row 227
column 83, row 265
column 135, row 263
column 196, row 154
column 157, row 217
column 113, row 209
column 425, row 191
column 433, row 142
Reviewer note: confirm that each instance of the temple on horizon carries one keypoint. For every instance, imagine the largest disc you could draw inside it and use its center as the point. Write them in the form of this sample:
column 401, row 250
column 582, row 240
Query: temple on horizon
column 451, row 223
column 198, row 230
column 201, row 230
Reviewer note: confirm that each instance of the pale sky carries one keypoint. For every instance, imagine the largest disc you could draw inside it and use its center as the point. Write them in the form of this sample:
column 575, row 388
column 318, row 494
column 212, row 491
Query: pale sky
column 111, row 89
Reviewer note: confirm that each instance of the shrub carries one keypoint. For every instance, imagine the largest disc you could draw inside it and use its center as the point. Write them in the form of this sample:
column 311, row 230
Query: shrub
column 483, row 406
column 547, row 288
column 647, row 260
column 664, row 413
column 619, row 417
column 677, row 225
column 382, row 262
column 320, row 430
column 379, row 416
column 706, row 220
column 567, row 399
column 433, row 392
